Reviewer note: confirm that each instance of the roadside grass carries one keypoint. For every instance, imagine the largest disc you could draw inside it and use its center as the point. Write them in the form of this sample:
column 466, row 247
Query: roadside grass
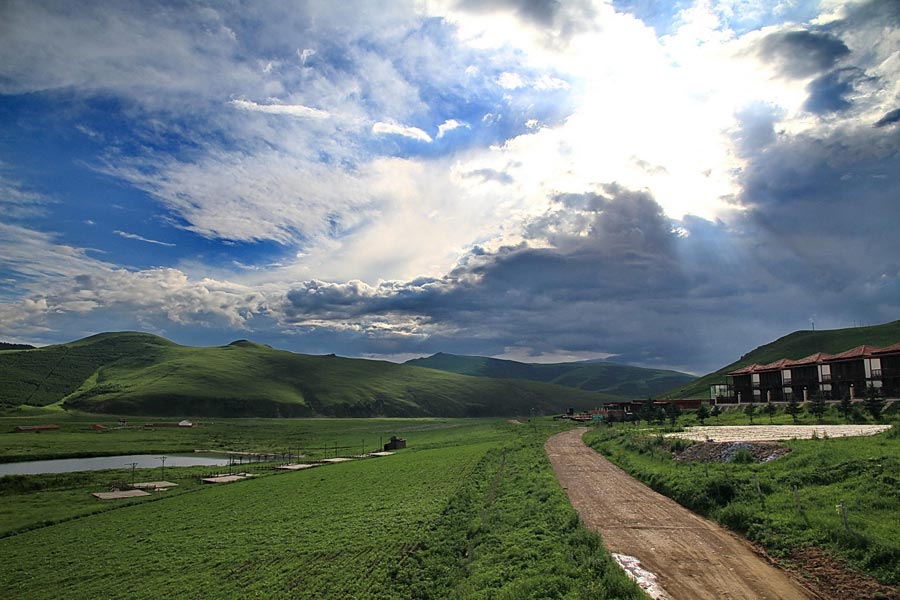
column 798, row 500
column 469, row 511
column 738, row 416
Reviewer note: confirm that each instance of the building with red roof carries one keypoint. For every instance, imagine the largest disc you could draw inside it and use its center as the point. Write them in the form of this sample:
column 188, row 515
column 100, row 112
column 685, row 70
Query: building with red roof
column 848, row 373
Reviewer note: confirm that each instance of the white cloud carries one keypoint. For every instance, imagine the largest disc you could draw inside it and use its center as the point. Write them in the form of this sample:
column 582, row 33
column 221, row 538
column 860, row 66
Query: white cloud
column 292, row 110
column 450, row 125
column 510, row 81
column 415, row 133
column 134, row 236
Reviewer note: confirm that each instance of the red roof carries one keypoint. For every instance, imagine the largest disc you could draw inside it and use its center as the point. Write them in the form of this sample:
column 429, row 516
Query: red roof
column 778, row 364
column 887, row 349
column 858, row 352
column 812, row 359
column 745, row 370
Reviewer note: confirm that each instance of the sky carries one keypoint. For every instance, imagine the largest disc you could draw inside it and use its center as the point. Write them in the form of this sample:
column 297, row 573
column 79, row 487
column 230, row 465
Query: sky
column 667, row 184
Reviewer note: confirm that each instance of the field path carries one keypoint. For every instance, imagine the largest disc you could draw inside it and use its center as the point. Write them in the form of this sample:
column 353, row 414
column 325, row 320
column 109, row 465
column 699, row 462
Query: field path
column 691, row 556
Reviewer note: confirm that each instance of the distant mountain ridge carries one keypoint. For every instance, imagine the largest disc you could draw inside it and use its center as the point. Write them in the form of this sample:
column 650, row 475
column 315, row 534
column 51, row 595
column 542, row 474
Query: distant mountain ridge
column 798, row 344
column 595, row 376
column 137, row 373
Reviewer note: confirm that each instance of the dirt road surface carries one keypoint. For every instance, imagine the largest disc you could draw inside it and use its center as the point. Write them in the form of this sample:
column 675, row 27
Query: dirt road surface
column 693, row 558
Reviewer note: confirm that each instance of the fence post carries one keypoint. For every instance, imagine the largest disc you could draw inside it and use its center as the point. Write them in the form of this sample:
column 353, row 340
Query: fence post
column 843, row 509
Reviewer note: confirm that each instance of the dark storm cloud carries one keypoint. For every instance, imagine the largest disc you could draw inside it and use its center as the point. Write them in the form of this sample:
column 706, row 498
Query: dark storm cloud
column 559, row 20
column 802, row 53
column 541, row 12
column 889, row 118
column 828, row 93
column 757, row 127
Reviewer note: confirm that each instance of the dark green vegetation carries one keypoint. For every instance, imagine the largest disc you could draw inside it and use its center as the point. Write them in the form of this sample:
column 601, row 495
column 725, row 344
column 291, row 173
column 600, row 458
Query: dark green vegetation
column 797, row 345
column 860, row 471
column 137, row 373
column 8, row 346
column 595, row 376
column 470, row 510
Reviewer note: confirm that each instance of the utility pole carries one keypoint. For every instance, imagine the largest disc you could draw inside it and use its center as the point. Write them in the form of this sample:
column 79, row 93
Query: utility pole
column 133, row 467
column 163, row 459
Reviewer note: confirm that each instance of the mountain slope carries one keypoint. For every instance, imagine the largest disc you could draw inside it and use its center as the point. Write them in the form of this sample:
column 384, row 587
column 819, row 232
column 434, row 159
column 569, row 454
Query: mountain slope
column 797, row 345
column 136, row 373
column 596, row 376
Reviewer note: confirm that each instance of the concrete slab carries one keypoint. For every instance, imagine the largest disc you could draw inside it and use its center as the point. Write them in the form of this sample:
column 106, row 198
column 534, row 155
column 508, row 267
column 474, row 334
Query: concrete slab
column 154, row 485
column 228, row 478
column 336, row 460
column 296, row 467
column 381, row 453
column 118, row 495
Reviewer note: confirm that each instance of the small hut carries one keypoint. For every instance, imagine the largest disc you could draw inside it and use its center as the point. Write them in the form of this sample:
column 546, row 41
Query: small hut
column 395, row 444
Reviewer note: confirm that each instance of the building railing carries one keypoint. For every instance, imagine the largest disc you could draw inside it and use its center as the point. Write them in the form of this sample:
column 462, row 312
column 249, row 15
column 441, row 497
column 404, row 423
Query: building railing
column 876, row 374
column 826, row 378
column 786, row 381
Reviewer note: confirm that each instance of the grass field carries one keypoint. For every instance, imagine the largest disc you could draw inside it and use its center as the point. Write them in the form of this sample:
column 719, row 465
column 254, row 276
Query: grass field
column 861, row 472
column 470, row 510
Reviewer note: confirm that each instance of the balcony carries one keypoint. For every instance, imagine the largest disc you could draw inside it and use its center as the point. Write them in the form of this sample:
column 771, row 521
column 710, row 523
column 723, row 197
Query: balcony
column 826, row 378
column 786, row 381
column 876, row 374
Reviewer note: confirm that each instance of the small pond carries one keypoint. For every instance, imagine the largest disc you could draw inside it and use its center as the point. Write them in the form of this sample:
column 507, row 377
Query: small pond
column 98, row 463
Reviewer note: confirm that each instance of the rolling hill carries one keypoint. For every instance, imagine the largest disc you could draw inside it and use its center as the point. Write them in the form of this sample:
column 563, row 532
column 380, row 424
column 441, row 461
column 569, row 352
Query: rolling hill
column 595, row 376
column 137, row 373
column 797, row 345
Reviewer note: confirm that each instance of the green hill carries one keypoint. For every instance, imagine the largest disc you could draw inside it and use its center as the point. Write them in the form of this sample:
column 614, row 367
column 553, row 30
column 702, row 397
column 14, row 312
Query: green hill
column 797, row 345
column 137, row 373
column 595, row 376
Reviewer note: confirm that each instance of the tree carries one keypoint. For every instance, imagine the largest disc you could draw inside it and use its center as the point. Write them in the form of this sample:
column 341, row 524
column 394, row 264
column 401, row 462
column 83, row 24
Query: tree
column 817, row 405
column 846, row 407
column 874, row 403
column 771, row 409
column 702, row 414
column 793, row 408
column 647, row 411
column 672, row 412
column 750, row 409
column 715, row 412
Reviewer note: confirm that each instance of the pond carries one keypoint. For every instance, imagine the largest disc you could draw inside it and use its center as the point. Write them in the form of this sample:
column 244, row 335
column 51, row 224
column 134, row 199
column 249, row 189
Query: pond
column 98, row 463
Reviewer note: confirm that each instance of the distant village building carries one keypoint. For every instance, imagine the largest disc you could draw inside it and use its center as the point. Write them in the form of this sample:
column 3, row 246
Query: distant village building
column 35, row 428
column 835, row 376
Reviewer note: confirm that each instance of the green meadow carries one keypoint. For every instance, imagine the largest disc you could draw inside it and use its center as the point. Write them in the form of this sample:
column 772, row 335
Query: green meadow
column 796, row 503
column 141, row 374
column 471, row 509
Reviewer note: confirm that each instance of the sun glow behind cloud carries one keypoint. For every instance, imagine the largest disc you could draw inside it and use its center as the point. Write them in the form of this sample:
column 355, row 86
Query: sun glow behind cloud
column 424, row 151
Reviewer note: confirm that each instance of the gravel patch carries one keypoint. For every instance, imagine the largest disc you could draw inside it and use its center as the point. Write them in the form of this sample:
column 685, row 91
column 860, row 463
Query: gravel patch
column 762, row 433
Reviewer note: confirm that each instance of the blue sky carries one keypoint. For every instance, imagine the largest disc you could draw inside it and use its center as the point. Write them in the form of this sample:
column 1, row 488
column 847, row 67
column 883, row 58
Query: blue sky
column 667, row 184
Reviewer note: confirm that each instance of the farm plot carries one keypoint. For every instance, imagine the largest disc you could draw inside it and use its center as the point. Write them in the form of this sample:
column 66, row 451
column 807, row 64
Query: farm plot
column 312, row 534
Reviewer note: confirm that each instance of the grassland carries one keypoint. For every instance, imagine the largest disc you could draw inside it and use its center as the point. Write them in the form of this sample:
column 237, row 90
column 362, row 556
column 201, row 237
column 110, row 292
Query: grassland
column 142, row 374
column 599, row 376
column 861, row 472
column 470, row 510
column 796, row 345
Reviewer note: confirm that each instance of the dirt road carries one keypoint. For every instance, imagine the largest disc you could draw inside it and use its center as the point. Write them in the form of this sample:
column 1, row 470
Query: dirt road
column 692, row 558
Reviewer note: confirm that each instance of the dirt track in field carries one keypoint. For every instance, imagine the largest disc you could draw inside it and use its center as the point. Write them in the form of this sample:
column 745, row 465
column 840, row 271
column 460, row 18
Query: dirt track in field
column 691, row 557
